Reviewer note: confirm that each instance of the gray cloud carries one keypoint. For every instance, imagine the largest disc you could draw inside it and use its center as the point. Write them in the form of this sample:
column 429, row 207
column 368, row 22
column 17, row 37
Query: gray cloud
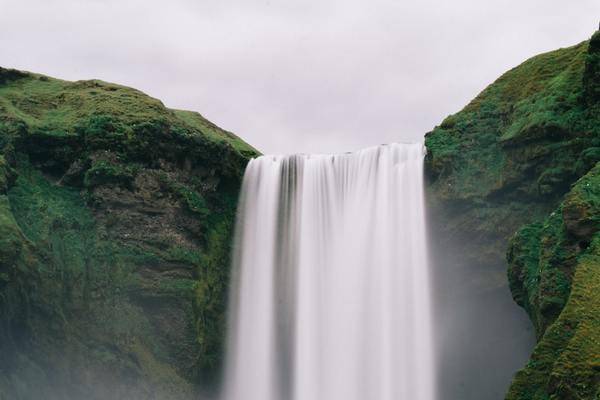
column 295, row 76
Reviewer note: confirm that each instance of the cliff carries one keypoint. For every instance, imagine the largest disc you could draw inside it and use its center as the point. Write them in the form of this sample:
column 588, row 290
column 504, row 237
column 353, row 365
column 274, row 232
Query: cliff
column 115, row 227
column 516, row 172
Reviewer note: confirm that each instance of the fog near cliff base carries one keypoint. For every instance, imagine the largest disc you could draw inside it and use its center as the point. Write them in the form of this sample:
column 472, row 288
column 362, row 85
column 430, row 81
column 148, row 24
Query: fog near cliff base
column 294, row 76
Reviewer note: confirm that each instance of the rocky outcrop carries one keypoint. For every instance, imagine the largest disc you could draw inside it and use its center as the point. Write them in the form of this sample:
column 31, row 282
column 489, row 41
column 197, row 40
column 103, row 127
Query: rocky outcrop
column 520, row 157
column 115, row 218
column 554, row 273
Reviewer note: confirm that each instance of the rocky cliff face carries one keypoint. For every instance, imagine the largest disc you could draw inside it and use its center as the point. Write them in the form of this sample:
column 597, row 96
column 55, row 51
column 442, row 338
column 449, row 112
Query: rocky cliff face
column 115, row 224
column 555, row 275
column 517, row 169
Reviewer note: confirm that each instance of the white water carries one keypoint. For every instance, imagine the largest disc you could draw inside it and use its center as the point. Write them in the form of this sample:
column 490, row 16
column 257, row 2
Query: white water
column 330, row 294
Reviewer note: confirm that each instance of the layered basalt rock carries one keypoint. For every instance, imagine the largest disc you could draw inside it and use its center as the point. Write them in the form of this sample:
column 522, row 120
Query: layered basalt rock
column 116, row 216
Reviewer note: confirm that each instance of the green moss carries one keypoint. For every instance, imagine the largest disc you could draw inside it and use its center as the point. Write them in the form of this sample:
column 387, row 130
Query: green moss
column 182, row 254
column 505, row 135
column 566, row 361
column 581, row 203
column 7, row 175
column 104, row 172
column 541, row 258
column 554, row 274
column 117, row 214
column 56, row 220
column 523, row 258
column 58, row 108
column 591, row 78
column 12, row 239
column 197, row 122
column 514, row 160
column 41, row 206
column 211, row 291
column 105, row 131
column 192, row 199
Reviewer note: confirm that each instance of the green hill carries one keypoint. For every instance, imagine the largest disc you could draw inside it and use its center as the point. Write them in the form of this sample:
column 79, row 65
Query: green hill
column 115, row 227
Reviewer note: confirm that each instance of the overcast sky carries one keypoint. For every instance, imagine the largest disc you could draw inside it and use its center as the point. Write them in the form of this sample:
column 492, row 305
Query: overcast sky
column 295, row 76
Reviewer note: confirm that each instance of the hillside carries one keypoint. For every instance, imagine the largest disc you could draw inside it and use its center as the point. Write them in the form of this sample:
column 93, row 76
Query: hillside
column 523, row 156
column 115, row 225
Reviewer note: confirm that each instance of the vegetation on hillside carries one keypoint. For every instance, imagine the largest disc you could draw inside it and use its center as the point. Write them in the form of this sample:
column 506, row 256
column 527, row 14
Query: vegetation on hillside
column 523, row 153
column 116, row 216
column 554, row 274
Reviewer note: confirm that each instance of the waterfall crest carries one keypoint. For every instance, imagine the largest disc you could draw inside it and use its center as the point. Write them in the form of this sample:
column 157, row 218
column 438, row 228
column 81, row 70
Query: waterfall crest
column 330, row 294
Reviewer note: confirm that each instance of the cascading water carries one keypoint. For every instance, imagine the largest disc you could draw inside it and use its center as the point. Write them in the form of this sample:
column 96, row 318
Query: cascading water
column 330, row 295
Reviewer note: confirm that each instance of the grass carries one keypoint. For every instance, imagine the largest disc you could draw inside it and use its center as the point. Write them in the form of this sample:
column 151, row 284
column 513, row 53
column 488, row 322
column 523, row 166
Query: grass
column 58, row 107
column 537, row 105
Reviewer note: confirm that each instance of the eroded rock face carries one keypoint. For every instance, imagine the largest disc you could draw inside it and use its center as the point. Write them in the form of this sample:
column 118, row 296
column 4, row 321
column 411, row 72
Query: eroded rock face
column 510, row 158
column 554, row 272
column 117, row 222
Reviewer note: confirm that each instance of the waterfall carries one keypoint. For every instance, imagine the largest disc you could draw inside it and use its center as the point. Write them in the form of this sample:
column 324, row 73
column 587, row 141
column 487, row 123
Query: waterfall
column 330, row 294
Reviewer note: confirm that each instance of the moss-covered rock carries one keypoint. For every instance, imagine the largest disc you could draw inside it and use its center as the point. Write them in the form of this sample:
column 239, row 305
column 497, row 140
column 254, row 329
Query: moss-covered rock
column 7, row 175
column 554, row 271
column 115, row 225
column 516, row 159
